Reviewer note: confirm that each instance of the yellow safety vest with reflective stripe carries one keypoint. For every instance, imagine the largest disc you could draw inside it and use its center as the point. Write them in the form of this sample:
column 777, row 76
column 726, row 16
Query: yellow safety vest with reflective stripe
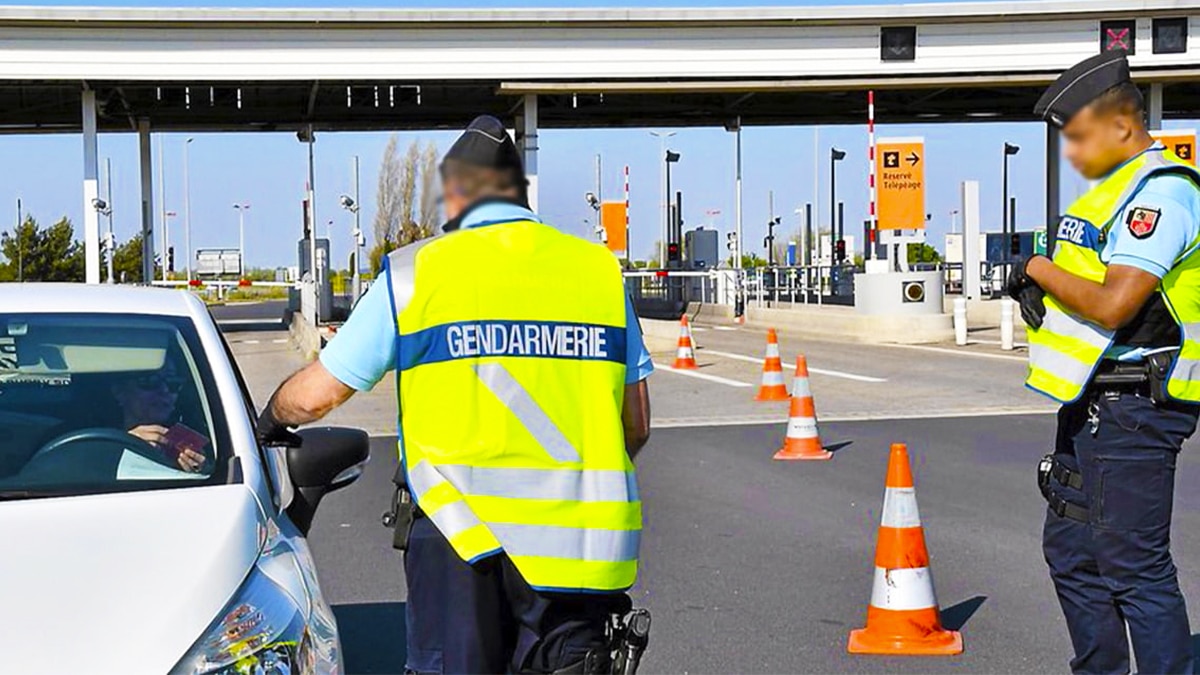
column 1065, row 351
column 511, row 369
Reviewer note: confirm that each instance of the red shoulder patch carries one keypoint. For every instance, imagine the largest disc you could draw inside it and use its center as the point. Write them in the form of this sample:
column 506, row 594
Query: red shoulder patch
column 1142, row 221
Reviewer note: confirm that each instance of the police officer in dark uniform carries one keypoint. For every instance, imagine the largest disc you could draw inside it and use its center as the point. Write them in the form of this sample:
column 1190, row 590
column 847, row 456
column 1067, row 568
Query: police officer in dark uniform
column 1113, row 317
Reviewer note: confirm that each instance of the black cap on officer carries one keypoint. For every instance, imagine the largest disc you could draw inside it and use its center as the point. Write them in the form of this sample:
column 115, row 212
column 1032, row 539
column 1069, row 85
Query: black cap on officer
column 1081, row 85
column 486, row 144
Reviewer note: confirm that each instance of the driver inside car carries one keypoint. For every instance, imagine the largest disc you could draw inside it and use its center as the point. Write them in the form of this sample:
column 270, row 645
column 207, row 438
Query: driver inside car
column 148, row 407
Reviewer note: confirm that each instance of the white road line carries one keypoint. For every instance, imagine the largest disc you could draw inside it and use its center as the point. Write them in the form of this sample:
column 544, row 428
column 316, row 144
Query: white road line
column 702, row 376
column 820, row 371
column 725, row 328
column 997, row 342
column 279, row 341
column 249, row 342
column 694, row 422
column 698, row 329
column 244, row 322
column 959, row 352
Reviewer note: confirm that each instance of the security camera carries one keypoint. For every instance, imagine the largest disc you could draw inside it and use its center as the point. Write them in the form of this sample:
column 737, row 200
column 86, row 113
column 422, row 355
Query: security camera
column 348, row 203
column 101, row 206
column 592, row 200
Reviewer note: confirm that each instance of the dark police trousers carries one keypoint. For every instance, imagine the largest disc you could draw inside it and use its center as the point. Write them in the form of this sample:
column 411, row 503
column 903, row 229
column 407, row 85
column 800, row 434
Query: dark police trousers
column 484, row 618
column 1115, row 571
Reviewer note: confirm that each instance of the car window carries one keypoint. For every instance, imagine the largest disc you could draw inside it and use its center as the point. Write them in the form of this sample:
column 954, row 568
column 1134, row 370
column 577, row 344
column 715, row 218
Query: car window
column 106, row 403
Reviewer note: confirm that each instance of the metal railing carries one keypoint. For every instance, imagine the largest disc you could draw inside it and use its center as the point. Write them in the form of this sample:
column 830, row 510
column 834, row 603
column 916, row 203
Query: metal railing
column 667, row 292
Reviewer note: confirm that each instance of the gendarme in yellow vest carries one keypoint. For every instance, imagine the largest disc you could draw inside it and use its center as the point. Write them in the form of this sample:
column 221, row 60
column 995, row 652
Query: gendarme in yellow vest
column 1064, row 352
column 511, row 371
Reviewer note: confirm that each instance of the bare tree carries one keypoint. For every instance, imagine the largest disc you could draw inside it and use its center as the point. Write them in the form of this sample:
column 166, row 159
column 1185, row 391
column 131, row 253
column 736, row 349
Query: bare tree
column 387, row 197
column 408, row 194
column 429, row 211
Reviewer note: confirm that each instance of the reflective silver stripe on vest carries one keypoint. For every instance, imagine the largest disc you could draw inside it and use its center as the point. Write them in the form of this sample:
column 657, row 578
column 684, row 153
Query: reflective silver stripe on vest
column 1063, row 365
column 1186, row 370
column 557, row 484
column 570, row 543
column 521, row 404
column 453, row 518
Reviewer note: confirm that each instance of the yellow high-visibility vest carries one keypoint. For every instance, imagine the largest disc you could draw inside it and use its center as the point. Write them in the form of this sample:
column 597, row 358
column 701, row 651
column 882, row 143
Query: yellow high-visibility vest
column 1065, row 351
column 511, row 370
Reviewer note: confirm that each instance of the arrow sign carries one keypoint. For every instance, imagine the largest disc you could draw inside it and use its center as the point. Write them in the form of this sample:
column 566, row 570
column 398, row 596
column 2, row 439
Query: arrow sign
column 1182, row 142
column 900, row 179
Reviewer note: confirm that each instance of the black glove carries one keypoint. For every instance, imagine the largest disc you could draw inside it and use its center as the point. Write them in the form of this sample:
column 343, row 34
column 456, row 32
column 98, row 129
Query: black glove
column 1027, row 293
column 273, row 433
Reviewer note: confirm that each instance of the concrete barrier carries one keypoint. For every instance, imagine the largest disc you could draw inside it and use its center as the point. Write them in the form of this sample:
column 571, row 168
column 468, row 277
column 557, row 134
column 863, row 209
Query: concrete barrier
column 305, row 337
column 826, row 322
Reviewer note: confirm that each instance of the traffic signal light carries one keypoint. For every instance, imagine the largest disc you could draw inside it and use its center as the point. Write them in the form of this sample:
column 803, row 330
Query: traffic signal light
column 840, row 250
column 171, row 259
column 731, row 241
column 673, row 252
column 1014, row 244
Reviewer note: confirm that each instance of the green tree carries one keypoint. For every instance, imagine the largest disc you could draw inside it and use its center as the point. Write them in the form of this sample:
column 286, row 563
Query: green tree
column 127, row 262
column 923, row 253
column 36, row 254
column 378, row 253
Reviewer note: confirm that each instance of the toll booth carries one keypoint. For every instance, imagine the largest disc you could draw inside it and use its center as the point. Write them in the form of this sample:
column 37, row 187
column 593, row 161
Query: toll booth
column 325, row 288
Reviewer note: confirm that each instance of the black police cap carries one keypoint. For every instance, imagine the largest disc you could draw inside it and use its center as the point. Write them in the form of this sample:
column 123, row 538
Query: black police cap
column 486, row 144
column 1081, row 85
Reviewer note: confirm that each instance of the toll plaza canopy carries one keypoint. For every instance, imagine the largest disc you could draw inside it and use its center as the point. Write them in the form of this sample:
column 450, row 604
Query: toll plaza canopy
column 243, row 69
column 68, row 69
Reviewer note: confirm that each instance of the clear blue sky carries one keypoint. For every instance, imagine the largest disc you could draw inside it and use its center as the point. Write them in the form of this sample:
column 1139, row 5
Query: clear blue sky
column 268, row 170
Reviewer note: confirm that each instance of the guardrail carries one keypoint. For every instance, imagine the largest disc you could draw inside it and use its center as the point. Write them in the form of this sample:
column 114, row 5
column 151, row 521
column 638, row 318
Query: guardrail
column 222, row 286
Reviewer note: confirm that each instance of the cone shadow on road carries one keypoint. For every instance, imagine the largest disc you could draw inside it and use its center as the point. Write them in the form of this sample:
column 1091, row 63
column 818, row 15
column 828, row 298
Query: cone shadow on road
column 373, row 636
column 957, row 616
column 838, row 447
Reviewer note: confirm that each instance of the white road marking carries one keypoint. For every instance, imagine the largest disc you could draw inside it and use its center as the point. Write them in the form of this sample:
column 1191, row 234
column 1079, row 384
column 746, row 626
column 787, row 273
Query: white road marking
column 279, row 341
column 243, row 322
column 698, row 329
column 693, row 422
column 997, row 342
column 959, row 352
column 725, row 328
column 249, row 342
column 820, row 371
column 702, row 376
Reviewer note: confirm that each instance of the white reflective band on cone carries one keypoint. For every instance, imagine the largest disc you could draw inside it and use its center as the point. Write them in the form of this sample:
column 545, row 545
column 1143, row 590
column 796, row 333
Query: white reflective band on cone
column 800, row 387
column 772, row 377
column 772, row 349
column 802, row 427
column 900, row 508
column 903, row 589
column 683, row 352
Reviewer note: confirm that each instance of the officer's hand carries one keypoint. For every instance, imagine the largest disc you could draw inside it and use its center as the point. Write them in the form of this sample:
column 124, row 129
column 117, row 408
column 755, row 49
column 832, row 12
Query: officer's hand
column 1018, row 279
column 1032, row 300
column 271, row 432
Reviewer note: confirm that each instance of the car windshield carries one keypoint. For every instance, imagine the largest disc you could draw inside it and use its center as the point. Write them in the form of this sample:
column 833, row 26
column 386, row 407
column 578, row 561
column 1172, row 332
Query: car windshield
column 105, row 403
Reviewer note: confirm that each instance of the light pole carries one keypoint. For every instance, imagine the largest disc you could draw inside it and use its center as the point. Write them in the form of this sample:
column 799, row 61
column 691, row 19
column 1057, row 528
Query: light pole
column 835, row 236
column 187, row 211
column 241, row 209
column 662, row 137
column 1009, row 150
column 351, row 204
column 103, row 208
column 669, row 159
column 166, row 253
column 20, row 244
column 107, row 212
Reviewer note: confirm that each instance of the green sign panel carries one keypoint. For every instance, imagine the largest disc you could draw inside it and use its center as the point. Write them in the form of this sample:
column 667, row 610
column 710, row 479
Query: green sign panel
column 1039, row 242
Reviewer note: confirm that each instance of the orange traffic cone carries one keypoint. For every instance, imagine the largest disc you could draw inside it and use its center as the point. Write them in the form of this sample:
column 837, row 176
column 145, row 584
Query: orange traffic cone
column 802, row 441
column 772, row 388
column 903, row 616
column 685, row 357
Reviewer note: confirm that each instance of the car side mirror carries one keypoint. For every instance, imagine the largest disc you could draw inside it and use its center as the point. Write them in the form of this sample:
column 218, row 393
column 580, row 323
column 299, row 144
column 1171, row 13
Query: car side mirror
column 328, row 459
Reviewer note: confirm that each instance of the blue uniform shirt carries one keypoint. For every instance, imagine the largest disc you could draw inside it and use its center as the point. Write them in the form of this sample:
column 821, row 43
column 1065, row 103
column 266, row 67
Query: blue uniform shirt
column 364, row 349
column 1155, row 228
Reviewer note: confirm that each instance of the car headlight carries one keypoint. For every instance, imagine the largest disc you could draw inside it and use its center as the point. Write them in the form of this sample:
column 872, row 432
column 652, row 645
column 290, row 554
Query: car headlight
column 261, row 631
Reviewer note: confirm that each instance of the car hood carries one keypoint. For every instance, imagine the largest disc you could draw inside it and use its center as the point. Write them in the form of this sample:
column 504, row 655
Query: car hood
column 122, row 582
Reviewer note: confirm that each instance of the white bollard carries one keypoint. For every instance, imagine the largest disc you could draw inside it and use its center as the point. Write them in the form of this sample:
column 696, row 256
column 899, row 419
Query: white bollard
column 1006, row 324
column 960, row 321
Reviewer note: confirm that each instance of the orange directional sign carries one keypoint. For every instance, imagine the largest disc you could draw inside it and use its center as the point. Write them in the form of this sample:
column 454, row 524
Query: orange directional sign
column 900, row 176
column 612, row 218
column 1179, row 141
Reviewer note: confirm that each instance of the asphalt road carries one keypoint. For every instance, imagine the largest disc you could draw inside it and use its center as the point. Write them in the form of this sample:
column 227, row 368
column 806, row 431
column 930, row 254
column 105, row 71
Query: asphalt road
column 752, row 565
